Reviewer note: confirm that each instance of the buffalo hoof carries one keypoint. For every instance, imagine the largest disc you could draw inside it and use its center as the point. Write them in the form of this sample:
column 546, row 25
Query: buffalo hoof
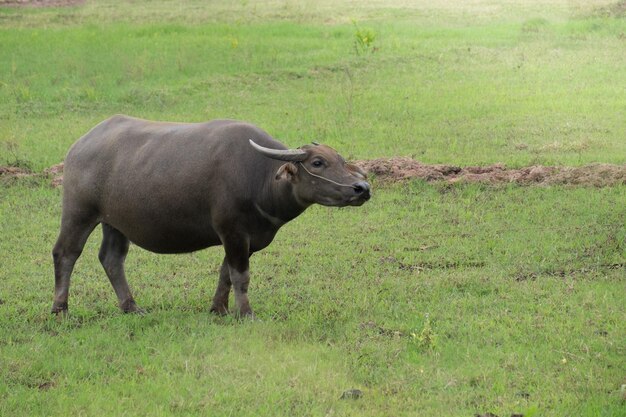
column 59, row 308
column 219, row 310
column 247, row 315
column 130, row 306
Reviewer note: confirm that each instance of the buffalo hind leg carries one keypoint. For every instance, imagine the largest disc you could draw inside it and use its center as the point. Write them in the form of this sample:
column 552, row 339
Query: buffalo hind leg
column 69, row 246
column 112, row 256
column 220, row 299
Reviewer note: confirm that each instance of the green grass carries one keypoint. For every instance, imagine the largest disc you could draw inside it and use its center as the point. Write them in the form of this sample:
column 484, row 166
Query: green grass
column 433, row 300
column 520, row 89
column 513, row 281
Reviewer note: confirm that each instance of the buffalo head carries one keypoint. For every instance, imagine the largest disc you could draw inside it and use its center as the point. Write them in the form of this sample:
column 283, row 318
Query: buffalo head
column 320, row 175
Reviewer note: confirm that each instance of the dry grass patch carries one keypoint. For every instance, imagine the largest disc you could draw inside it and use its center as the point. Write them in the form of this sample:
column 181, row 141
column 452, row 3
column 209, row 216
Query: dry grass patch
column 403, row 168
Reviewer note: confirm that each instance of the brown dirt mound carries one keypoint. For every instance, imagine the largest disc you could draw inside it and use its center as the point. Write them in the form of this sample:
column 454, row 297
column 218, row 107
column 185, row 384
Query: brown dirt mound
column 11, row 171
column 56, row 173
column 402, row 168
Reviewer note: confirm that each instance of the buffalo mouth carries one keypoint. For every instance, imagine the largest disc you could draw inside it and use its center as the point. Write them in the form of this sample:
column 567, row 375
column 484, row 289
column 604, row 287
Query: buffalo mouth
column 359, row 200
column 362, row 194
column 355, row 194
column 353, row 200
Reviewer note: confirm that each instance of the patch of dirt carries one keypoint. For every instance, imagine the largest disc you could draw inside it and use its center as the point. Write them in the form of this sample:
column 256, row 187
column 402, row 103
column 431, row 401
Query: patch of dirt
column 11, row 171
column 351, row 394
column 45, row 386
column 616, row 10
column 55, row 172
column 41, row 3
column 494, row 415
column 403, row 168
column 399, row 169
column 370, row 325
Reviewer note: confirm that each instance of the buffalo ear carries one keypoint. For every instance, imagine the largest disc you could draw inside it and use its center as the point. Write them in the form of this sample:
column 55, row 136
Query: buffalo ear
column 287, row 171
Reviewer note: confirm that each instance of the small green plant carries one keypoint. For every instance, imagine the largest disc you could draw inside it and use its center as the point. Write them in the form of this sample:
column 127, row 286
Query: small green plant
column 426, row 339
column 14, row 159
column 22, row 94
column 363, row 39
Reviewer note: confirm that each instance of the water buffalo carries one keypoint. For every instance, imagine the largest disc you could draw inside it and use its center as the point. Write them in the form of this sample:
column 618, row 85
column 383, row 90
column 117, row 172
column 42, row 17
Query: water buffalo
column 181, row 187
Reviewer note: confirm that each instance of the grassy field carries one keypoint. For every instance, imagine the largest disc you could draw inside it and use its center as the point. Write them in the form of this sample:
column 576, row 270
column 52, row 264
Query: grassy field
column 433, row 300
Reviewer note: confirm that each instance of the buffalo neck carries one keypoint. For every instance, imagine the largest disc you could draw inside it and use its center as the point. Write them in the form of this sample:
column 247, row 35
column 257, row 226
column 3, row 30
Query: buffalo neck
column 279, row 201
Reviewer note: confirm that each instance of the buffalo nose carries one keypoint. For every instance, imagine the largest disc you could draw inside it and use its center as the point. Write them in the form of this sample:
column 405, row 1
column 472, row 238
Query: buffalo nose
column 363, row 189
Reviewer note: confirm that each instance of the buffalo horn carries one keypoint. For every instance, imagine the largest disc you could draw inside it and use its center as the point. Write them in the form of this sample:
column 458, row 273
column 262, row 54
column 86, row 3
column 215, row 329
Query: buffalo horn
column 293, row 155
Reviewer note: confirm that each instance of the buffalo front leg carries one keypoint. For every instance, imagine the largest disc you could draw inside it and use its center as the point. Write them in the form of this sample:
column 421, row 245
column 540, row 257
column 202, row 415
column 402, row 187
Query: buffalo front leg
column 113, row 251
column 220, row 299
column 240, row 280
column 69, row 246
column 238, row 258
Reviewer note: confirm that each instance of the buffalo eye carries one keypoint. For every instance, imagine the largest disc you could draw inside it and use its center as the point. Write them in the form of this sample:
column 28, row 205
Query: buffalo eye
column 317, row 163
